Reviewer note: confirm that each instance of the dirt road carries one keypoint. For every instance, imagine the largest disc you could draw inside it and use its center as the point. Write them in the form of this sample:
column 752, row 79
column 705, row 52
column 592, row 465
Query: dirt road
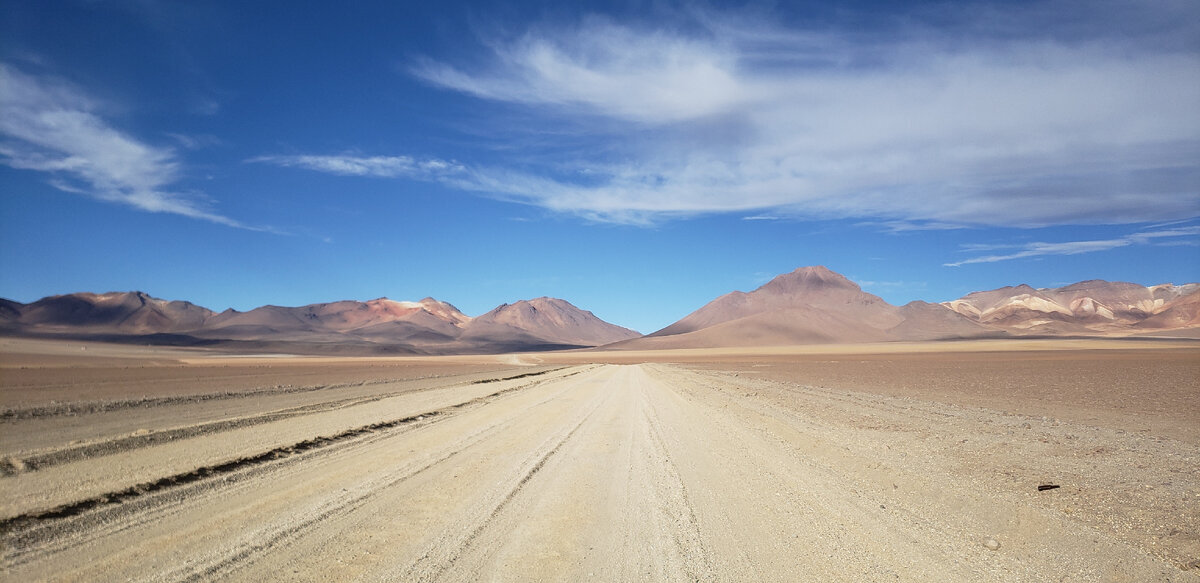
column 646, row 472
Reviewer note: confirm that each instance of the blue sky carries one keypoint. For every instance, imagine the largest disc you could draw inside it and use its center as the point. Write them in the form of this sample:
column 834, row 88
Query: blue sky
column 636, row 158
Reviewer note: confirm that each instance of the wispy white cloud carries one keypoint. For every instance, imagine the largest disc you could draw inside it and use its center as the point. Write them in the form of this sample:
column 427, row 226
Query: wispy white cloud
column 1148, row 236
column 1039, row 249
column 53, row 127
column 380, row 166
column 638, row 75
column 907, row 226
column 1011, row 129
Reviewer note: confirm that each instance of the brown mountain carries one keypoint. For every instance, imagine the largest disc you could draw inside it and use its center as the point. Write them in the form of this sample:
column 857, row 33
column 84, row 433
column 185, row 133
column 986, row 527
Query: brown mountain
column 1180, row 313
column 380, row 320
column 114, row 312
column 549, row 319
column 380, row 325
column 1087, row 307
column 811, row 305
column 10, row 312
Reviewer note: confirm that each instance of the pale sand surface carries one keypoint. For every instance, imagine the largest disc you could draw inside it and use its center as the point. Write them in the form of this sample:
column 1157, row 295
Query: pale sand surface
column 897, row 462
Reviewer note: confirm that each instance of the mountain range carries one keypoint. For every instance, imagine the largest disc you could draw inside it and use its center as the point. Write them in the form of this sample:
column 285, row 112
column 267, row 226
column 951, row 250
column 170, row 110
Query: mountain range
column 1087, row 307
column 376, row 326
column 811, row 305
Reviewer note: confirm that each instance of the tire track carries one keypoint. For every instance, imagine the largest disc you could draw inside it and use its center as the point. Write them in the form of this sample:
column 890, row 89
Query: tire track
column 645, row 472
column 18, row 464
column 31, row 528
column 14, row 465
column 440, row 557
column 240, row 555
column 640, row 523
column 90, row 407
column 676, row 504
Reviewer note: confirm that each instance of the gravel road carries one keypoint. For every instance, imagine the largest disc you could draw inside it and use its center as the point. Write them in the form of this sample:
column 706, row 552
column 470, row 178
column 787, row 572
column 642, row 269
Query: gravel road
column 645, row 472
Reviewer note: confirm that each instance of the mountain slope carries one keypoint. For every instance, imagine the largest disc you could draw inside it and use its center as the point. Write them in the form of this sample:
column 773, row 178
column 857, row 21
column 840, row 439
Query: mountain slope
column 427, row 326
column 811, row 305
column 1087, row 307
column 553, row 320
column 114, row 312
column 10, row 313
column 380, row 319
column 807, row 288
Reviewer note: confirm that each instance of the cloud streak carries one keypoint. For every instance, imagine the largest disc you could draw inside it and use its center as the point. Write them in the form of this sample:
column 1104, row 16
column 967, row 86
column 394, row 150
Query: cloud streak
column 1040, row 249
column 53, row 127
column 643, row 76
column 1061, row 127
column 378, row 166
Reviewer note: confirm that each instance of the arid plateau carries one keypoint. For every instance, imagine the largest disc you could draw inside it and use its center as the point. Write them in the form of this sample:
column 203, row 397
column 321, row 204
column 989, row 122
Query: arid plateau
column 869, row 462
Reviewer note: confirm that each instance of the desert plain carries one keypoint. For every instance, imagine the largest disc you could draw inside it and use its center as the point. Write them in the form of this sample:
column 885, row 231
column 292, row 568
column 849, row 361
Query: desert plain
column 913, row 461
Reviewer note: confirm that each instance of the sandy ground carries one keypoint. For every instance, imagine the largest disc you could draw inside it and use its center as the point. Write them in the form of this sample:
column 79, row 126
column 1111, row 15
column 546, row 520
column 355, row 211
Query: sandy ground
column 884, row 463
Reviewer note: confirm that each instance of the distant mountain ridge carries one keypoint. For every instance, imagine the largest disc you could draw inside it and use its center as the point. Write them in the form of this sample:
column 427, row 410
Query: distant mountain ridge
column 117, row 312
column 1087, row 307
column 558, row 321
column 811, row 305
column 428, row 326
column 814, row 305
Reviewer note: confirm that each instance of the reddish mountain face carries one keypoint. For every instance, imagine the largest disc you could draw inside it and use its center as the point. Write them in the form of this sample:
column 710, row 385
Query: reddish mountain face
column 371, row 318
column 114, row 312
column 807, row 289
column 427, row 326
column 814, row 305
column 810, row 305
column 551, row 319
column 1088, row 307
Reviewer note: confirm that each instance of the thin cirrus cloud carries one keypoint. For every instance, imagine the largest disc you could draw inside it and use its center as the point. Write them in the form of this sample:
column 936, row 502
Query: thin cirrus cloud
column 1179, row 235
column 378, row 166
column 640, row 76
column 1006, row 131
column 52, row 127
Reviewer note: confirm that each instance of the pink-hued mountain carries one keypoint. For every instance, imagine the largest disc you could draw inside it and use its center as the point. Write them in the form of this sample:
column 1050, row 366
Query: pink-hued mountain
column 1087, row 307
column 115, row 312
column 811, row 305
column 382, row 319
column 381, row 325
column 554, row 319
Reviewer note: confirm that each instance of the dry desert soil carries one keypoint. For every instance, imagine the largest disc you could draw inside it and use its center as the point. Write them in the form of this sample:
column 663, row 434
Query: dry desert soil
column 897, row 462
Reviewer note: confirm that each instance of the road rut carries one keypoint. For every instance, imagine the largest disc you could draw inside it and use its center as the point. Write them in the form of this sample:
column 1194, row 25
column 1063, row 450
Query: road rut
column 605, row 473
